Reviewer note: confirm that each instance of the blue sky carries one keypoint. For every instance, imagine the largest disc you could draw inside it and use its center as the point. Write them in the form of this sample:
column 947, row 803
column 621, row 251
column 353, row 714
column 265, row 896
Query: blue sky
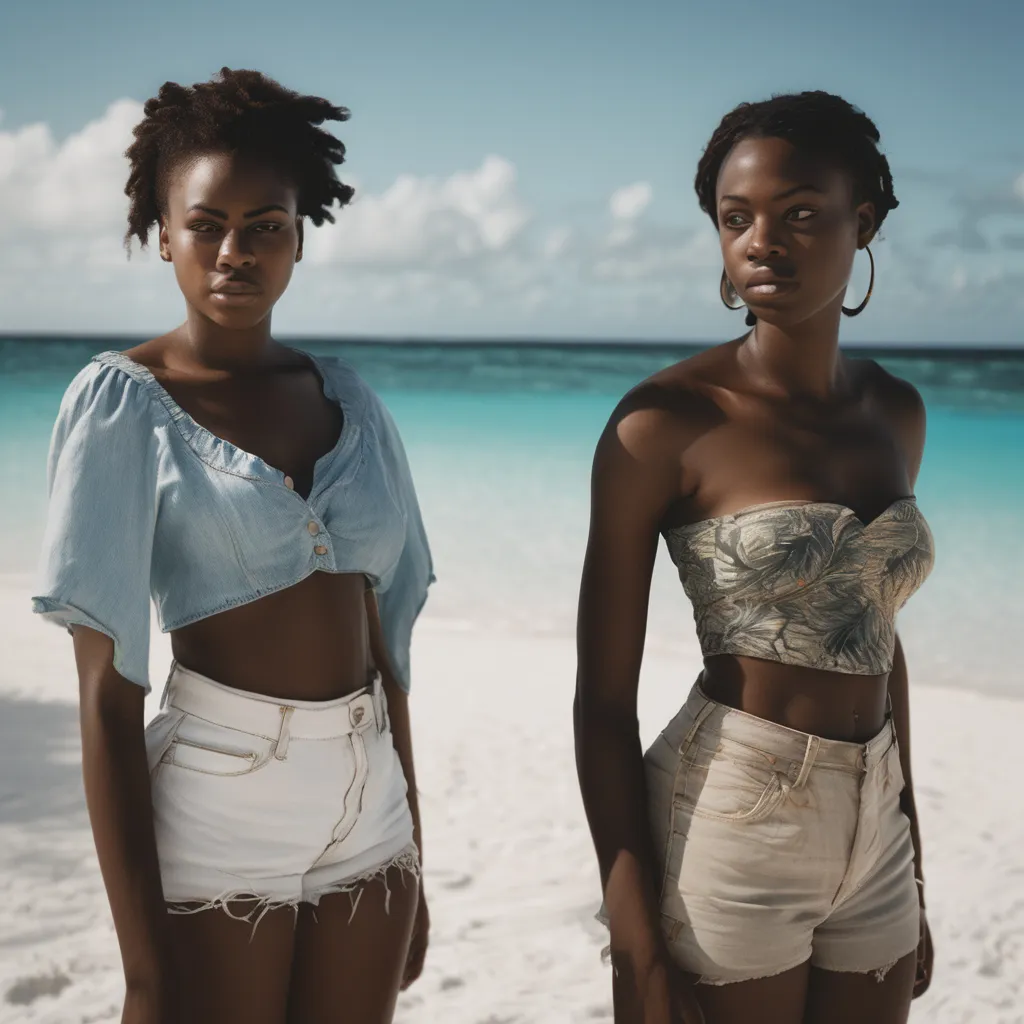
column 492, row 145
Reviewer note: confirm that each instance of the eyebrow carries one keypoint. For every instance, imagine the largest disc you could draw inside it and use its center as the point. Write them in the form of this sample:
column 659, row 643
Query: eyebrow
column 223, row 216
column 782, row 195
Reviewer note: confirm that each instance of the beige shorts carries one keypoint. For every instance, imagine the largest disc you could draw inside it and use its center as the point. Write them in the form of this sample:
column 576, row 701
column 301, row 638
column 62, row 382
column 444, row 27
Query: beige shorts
column 776, row 847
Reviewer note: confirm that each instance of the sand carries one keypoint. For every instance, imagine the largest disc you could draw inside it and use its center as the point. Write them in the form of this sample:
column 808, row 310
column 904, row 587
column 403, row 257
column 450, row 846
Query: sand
column 510, row 872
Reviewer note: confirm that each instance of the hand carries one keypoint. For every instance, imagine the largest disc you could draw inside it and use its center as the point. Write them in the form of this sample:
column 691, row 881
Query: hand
column 657, row 994
column 670, row 997
column 925, row 957
column 418, row 943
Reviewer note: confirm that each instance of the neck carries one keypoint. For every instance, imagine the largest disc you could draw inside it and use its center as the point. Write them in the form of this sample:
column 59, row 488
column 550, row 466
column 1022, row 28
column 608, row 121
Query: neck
column 222, row 348
column 801, row 361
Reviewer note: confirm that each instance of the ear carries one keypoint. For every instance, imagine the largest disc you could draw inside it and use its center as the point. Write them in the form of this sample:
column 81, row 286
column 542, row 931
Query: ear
column 165, row 242
column 299, row 229
column 866, row 224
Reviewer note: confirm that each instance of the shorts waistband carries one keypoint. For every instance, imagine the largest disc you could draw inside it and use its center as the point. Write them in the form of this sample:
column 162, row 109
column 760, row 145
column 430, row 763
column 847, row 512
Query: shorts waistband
column 255, row 713
column 782, row 742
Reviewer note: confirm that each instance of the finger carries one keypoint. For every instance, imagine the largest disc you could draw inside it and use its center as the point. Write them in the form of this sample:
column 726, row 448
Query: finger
column 414, row 962
column 689, row 1009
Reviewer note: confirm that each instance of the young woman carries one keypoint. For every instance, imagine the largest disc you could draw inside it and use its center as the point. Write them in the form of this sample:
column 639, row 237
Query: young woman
column 260, row 844
column 777, row 876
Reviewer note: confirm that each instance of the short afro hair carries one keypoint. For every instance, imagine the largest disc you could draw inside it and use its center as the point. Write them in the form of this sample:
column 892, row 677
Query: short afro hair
column 238, row 112
column 815, row 122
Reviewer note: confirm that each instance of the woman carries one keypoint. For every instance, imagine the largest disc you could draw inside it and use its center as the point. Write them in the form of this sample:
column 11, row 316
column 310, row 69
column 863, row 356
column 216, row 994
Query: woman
column 262, row 497
column 777, row 876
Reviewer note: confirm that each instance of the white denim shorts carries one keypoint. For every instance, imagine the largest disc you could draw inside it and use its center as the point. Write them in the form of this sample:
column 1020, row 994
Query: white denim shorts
column 273, row 803
column 776, row 847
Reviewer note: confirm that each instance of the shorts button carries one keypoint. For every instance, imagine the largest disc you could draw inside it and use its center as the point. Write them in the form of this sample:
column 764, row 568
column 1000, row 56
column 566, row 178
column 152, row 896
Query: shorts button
column 320, row 549
column 313, row 528
column 289, row 483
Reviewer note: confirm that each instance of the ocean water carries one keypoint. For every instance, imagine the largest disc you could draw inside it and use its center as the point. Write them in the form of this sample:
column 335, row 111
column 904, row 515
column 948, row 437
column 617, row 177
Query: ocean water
column 501, row 436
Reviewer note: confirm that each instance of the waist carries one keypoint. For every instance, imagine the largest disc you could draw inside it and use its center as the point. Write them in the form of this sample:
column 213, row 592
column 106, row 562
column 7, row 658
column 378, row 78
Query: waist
column 782, row 741
column 308, row 641
column 851, row 708
column 205, row 698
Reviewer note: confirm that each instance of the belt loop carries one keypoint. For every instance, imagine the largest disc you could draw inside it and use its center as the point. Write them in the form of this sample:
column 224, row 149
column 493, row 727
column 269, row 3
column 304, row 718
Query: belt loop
column 698, row 721
column 281, row 747
column 167, row 684
column 813, row 742
column 379, row 703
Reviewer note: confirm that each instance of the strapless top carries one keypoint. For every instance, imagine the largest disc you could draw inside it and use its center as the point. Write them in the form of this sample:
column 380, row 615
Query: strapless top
column 803, row 582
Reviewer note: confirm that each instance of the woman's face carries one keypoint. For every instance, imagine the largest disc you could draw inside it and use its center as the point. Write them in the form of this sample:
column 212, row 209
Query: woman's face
column 789, row 229
column 232, row 231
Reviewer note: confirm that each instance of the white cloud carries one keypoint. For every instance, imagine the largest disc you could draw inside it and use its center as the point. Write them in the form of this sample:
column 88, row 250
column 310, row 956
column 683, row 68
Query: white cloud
column 428, row 222
column 628, row 202
column 556, row 242
column 70, row 187
column 458, row 254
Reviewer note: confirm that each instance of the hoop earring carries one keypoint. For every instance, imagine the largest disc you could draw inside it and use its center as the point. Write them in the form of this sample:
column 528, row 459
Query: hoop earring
column 857, row 310
column 725, row 288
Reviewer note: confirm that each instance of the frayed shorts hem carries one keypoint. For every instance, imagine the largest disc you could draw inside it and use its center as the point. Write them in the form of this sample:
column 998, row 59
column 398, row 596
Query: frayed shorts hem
column 407, row 862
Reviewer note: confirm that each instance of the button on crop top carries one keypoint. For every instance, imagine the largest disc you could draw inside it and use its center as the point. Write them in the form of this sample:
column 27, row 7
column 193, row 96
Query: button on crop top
column 803, row 582
column 145, row 502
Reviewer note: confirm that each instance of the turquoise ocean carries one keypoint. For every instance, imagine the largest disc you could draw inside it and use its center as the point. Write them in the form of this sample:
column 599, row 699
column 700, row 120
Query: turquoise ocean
column 501, row 435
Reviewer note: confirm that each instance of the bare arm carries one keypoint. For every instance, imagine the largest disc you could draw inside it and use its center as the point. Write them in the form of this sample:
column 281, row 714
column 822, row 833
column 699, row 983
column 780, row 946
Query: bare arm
column 117, row 792
column 908, row 413
column 635, row 478
column 900, row 696
column 401, row 733
column 398, row 712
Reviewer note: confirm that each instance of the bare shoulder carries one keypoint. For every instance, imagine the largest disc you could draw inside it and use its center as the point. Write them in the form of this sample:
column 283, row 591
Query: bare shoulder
column 153, row 353
column 895, row 397
column 902, row 407
column 664, row 414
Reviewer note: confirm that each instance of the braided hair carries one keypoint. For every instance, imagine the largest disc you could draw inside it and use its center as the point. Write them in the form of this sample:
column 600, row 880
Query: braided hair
column 816, row 122
column 239, row 112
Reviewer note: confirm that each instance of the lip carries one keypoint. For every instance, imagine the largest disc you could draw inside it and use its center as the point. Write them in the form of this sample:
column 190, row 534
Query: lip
column 236, row 288
column 766, row 281
column 773, row 287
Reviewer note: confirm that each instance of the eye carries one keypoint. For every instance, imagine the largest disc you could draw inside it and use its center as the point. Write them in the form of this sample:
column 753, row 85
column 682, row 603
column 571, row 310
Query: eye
column 734, row 220
column 802, row 213
column 203, row 227
column 267, row 227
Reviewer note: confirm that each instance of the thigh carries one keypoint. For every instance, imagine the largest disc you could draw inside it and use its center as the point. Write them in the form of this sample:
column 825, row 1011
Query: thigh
column 779, row 999
column 845, row 997
column 350, row 952
column 227, row 971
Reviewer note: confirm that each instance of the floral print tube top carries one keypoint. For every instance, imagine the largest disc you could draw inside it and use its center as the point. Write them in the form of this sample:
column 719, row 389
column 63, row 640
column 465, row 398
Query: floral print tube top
column 803, row 582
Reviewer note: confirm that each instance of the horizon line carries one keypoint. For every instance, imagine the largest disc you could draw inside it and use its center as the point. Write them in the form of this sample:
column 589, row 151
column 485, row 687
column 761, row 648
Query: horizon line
column 940, row 349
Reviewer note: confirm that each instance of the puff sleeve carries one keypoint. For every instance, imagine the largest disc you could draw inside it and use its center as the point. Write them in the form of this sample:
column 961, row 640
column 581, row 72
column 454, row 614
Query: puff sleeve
column 403, row 590
column 98, row 542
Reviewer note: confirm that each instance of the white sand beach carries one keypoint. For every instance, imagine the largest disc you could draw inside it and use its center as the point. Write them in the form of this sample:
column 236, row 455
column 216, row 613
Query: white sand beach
column 509, row 867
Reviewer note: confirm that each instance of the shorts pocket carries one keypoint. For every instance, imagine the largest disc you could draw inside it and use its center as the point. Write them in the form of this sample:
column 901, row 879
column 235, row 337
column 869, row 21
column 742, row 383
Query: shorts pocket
column 733, row 783
column 200, row 746
column 160, row 735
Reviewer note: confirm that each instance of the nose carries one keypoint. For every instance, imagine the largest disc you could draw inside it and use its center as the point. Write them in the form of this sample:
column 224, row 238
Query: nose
column 763, row 242
column 234, row 251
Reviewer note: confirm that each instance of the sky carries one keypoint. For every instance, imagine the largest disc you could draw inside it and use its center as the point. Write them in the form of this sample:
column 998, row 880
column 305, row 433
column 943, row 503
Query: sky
column 522, row 169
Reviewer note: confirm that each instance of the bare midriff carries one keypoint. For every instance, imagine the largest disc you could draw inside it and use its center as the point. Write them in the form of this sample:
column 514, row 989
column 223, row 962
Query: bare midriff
column 793, row 696
column 309, row 641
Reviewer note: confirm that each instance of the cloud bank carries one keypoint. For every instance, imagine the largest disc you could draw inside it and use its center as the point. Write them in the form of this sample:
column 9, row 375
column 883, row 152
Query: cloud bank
column 467, row 254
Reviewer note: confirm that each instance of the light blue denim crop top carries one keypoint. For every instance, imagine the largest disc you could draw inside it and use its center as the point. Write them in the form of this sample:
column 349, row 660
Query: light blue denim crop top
column 145, row 502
